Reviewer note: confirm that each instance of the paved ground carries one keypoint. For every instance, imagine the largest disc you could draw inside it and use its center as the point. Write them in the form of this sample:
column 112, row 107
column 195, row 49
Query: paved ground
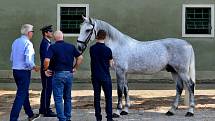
column 137, row 115
column 149, row 102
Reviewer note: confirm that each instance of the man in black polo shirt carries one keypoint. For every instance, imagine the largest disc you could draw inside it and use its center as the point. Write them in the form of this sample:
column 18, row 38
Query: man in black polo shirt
column 62, row 55
column 101, row 60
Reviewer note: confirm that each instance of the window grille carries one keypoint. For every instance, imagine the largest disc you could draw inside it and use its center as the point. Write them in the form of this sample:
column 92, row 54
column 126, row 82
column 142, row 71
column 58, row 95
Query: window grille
column 70, row 18
column 198, row 21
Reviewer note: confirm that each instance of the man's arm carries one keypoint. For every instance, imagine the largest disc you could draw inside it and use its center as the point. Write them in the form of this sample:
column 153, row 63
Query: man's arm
column 29, row 58
column 78, row 62
column 48, row 73
column 46, row 63
column 43, row 50
column 111, row 62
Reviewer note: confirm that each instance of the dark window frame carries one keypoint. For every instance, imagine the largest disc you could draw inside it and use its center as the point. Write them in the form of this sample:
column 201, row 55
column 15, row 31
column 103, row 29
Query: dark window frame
column 71, row 27
column 195, row 22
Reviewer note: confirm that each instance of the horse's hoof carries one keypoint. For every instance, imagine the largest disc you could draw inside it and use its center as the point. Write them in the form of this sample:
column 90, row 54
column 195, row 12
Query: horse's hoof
column 169, row 113
column 124, row 113
column 189, row 114
column 115, row 115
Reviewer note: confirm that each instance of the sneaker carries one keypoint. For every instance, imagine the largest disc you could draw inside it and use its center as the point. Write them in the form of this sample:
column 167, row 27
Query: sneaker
column 35, row 116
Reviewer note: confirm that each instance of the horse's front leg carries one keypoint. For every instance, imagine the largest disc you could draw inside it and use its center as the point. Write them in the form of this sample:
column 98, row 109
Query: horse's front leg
column 127, row 100
column 120, row 75
column 179, row 89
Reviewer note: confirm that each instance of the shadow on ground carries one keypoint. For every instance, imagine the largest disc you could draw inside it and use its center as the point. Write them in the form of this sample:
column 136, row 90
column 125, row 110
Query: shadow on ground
column 137, row 103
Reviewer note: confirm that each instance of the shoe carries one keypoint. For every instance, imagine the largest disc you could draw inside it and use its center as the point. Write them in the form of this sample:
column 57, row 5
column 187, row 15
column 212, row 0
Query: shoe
column 50, row 114
column 35, row 116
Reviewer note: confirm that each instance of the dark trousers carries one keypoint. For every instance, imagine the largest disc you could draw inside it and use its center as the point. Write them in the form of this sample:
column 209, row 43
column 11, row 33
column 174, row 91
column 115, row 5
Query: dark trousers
column 46, row 93
column 22, row 79
column 107, row 88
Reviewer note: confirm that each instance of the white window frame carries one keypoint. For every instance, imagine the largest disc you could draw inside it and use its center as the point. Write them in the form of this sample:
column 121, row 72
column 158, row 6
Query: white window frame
column 196, row 6
column 70, row 5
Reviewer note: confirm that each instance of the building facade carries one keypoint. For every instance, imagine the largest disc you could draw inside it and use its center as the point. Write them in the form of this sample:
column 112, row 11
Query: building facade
column 144, row 20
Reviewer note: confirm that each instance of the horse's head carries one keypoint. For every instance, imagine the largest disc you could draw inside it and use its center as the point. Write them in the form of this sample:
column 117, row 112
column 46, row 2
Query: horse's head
column 87, row 33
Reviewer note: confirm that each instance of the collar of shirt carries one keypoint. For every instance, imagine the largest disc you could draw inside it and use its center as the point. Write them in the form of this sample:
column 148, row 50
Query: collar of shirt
column 48, row 39
column 100, row 43
column 59, row 41
column 24, row 37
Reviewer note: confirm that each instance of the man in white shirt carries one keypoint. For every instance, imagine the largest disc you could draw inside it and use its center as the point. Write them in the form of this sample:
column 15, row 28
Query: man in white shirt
column 22, row 58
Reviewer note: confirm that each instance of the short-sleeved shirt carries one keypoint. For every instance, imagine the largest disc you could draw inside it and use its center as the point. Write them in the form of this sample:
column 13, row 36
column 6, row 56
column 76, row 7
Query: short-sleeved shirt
column 62, row 55
column 100, row 56
column 22, row 54
column 44, row 46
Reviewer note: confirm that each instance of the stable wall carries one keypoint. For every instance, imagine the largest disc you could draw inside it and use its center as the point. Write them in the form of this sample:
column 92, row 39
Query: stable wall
column 144, row 20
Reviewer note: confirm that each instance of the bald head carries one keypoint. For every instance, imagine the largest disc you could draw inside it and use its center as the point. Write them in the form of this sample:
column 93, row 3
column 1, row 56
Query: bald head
column 58, row 35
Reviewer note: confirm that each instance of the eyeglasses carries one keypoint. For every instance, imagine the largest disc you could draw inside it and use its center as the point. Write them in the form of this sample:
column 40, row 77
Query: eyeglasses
column 31, row 31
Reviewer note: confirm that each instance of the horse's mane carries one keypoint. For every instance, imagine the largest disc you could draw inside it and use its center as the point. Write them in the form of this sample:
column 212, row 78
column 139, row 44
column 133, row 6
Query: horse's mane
column 113, row 33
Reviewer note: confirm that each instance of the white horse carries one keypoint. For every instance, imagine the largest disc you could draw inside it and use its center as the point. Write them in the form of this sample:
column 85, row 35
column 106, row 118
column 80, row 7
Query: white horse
column 132, row 56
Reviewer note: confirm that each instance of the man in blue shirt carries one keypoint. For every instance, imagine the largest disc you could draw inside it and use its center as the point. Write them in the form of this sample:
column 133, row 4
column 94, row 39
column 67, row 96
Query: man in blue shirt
column 62, row 55
column 101, row 60
column 46, row 81
column 22, row 58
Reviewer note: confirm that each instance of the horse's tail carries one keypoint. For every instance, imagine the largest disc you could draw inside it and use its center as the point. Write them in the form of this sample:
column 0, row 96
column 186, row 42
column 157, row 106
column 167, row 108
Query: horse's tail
column 192, row 75
column 192, row 71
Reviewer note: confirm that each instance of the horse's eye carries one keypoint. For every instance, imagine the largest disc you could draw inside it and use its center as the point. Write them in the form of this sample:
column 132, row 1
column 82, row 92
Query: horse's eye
column 88, row 30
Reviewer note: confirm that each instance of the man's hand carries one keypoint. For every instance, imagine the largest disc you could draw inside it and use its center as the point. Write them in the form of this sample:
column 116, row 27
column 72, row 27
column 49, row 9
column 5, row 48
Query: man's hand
column 74, row 70
column 48, row 73
column 79, row 60
column 36, row 68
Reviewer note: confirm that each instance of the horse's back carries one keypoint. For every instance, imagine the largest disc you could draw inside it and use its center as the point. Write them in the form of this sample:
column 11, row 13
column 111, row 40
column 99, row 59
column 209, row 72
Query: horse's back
column 174, row 42
column 146, row 57
column 153, row 56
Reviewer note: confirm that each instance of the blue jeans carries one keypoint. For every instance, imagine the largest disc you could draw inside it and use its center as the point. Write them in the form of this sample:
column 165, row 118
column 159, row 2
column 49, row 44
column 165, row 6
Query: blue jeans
column 62, row 86
column 107, row 88
column 22, row 79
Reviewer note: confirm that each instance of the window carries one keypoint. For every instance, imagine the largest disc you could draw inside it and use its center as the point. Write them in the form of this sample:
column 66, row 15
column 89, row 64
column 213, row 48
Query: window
column 69, row 17
column 198, row 20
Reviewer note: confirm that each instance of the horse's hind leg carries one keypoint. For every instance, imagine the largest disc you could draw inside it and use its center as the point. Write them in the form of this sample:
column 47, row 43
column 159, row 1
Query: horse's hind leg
column 190, row 86
column 179, row 89
column 120, row 75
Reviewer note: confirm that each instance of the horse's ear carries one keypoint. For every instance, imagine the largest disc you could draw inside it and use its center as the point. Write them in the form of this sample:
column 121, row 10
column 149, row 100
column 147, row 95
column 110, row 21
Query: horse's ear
column 84, row 18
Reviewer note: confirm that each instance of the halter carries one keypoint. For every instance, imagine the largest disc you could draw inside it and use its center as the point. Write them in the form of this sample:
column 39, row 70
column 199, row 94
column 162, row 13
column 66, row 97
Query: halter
column 85, row 43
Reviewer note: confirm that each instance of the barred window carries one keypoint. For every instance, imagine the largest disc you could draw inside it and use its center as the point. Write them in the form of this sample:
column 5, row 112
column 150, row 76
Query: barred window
column 198, row 21
column 70, row 18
